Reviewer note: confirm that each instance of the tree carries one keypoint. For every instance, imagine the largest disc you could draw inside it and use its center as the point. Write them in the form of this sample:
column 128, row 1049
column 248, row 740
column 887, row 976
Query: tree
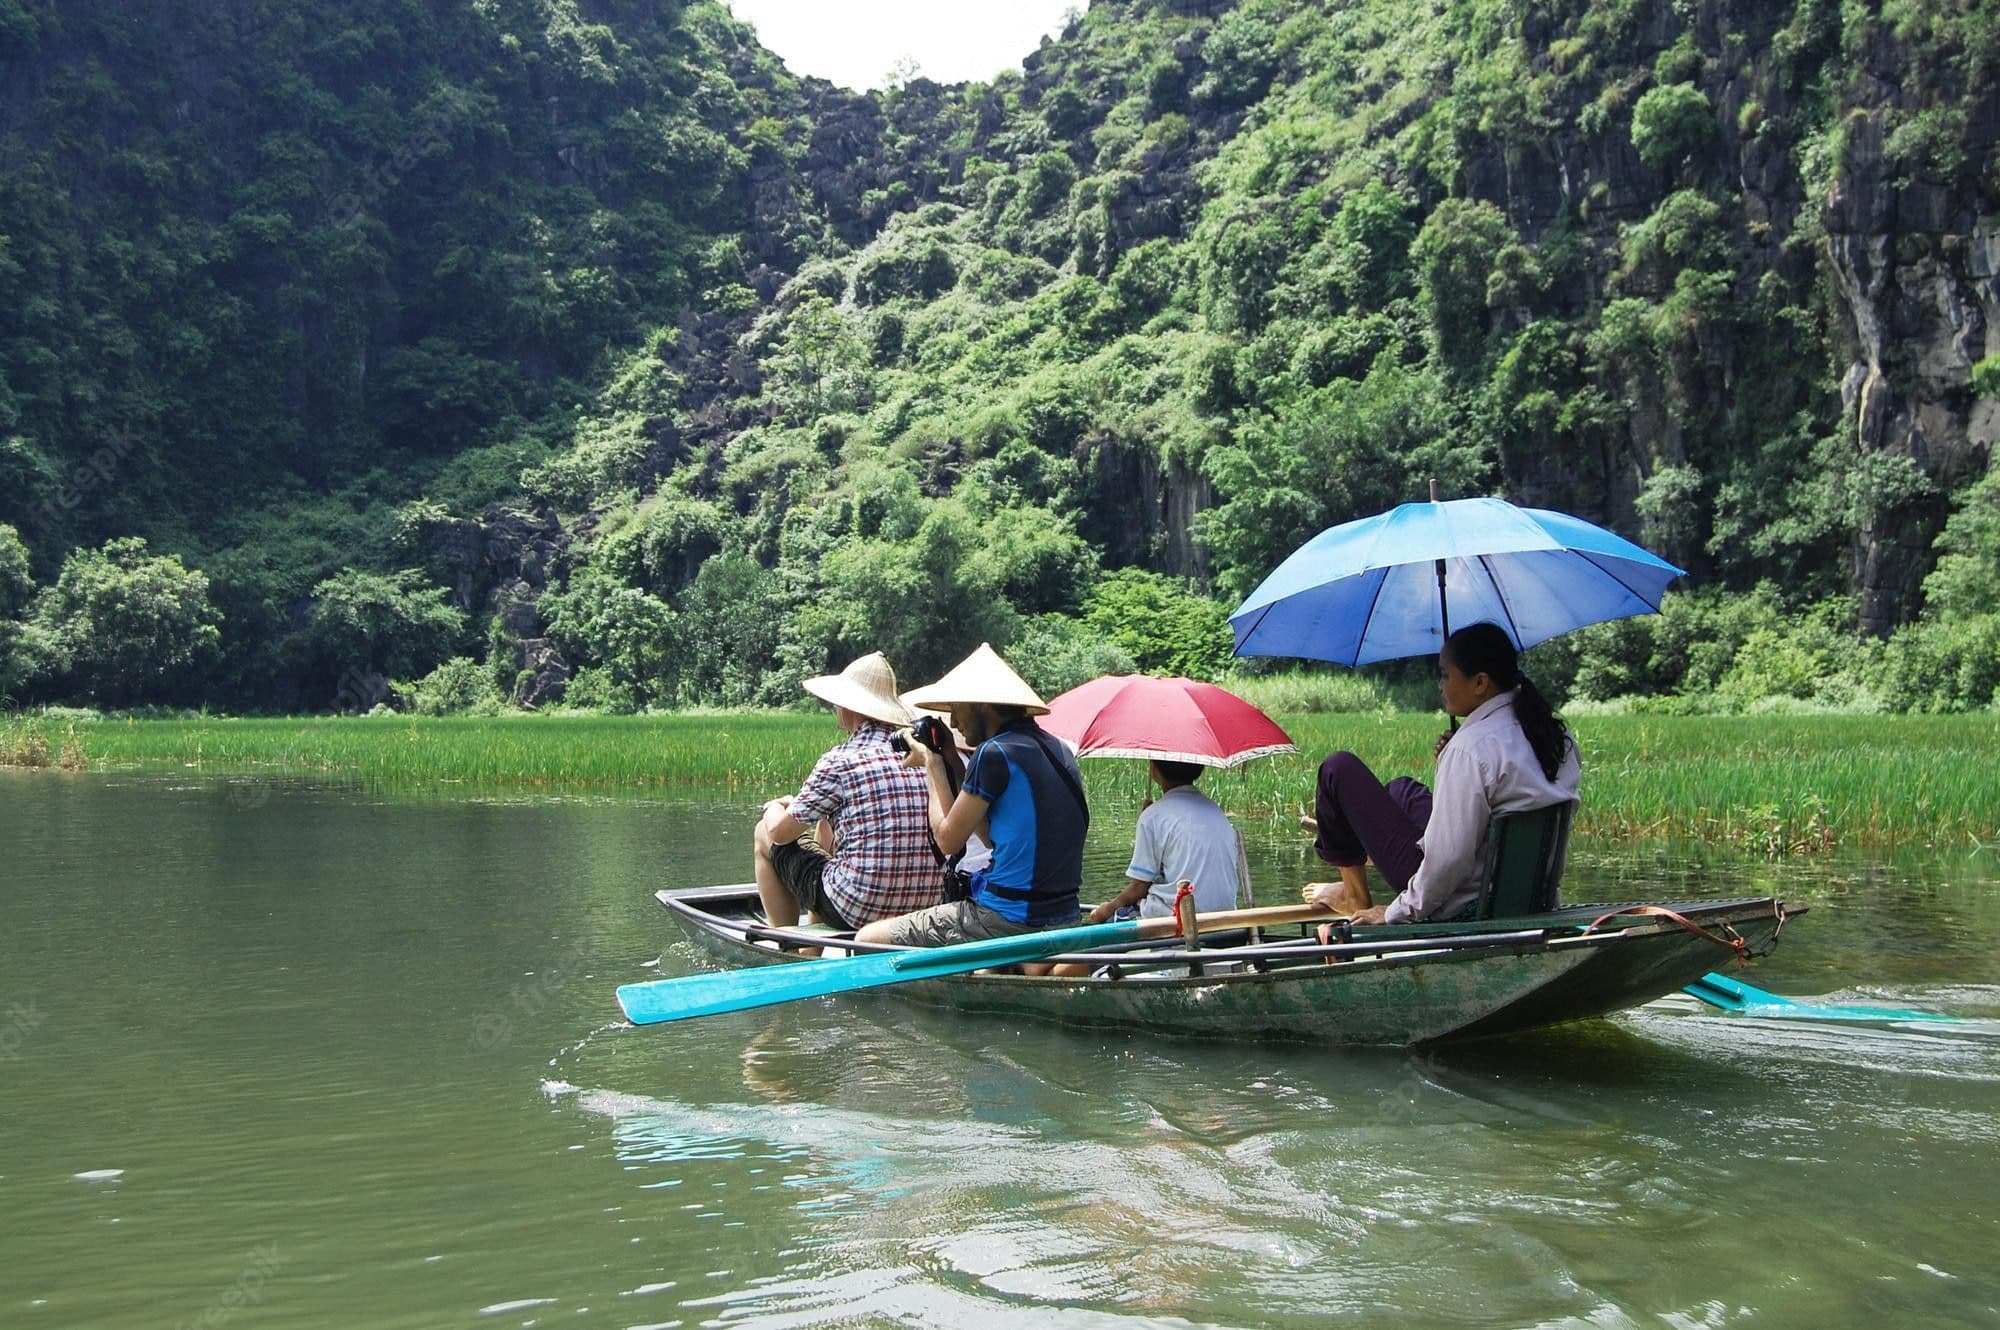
column 1243, row 261
column 1669, row 123
column 126, row 626
column 380, row 623
column 15, row 589
column 1339, row 452
column 819, row 365
column 1455, row 255
column 1372, row 235
column 1241, row 55
column 923, row 602
column 1966, row 581
column 620, row 630
column 16, row 586
column 1161, row 623
column 731, row 624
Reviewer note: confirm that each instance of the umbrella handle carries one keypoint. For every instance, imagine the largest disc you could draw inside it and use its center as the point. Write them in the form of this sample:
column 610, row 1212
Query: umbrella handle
column 1444, row 618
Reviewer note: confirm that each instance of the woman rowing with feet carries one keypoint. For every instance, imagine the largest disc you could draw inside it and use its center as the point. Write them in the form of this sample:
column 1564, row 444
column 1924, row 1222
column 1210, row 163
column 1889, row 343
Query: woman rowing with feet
column 1512, row 754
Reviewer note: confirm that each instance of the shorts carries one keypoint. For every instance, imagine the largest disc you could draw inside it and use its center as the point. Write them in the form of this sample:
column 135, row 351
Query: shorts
column 958, row 921
column 802, row 866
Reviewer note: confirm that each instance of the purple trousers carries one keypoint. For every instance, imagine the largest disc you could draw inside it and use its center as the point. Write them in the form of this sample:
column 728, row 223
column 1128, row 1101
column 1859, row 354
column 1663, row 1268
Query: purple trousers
column 1361, row 819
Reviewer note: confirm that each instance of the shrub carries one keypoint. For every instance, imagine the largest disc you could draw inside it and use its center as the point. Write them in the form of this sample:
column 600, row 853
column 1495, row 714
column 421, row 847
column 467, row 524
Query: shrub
column 1456, row 254
column 16, row 586
column 461, row 684
column 1372, row 238
column 626, row 634
column 1315, row 692
column 127, row 626
column 1065, row 112
column 380, row 623
column 1686, row 648
column 1049, row 179
column 1150, row 277
column 1241, row 57
column 1774, row 663
column 1166, row 87
column 1929, row 144
column 1670, row 123
column 1679, row 63
column 1161, row 623
column 1055, row 653
column 918, row 270
column 1944, row 665
column 1986, row 377
column 592, row 689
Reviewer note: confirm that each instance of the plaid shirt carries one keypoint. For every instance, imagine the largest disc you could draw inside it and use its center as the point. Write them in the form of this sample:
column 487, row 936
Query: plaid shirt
column 883, row 862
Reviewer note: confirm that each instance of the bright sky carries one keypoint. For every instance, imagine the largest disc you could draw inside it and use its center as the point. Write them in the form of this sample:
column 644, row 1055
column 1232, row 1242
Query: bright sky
column 855, row 43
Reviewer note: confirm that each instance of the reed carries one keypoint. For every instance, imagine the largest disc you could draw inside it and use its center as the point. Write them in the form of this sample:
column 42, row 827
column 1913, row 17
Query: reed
column 1759, row 784
column 726, row 753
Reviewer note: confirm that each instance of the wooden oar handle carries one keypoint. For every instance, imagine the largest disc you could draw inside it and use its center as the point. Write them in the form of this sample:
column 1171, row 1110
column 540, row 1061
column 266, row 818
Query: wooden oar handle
column 1214, row 919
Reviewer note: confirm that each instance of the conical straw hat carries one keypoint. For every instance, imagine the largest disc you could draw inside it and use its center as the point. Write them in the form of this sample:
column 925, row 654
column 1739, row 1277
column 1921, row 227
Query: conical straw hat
column 980, row 677
column 868, row 687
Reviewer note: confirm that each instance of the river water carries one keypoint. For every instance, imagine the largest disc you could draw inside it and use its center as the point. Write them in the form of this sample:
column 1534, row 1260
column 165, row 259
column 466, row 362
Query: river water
column 282, row 1056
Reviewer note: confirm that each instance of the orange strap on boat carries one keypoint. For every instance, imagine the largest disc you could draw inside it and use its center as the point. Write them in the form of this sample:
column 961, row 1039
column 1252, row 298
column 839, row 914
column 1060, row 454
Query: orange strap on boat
column 1340, row 930
column 1187, row 890
column 1732, row 943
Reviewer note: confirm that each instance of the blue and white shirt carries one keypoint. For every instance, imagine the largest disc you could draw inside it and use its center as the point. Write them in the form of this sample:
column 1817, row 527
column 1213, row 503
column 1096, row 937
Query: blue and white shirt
column 1037, row 827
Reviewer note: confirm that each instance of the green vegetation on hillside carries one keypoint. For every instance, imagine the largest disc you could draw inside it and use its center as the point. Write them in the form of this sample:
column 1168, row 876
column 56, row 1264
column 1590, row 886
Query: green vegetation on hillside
column 546, row 348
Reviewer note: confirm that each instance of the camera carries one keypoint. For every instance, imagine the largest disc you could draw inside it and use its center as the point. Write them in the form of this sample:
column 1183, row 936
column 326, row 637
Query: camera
column 931, row 732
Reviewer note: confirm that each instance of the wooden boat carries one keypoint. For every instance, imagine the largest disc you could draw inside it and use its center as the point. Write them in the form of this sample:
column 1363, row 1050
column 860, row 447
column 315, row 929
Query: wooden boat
column 1406, row 984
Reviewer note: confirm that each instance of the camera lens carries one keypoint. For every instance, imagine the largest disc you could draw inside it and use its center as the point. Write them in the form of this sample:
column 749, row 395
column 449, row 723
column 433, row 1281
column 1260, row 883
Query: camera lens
column 900, row 742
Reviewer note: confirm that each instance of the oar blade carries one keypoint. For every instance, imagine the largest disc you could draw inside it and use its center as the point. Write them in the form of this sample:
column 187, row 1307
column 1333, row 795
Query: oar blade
column 660, row 1000
column 1739, row 998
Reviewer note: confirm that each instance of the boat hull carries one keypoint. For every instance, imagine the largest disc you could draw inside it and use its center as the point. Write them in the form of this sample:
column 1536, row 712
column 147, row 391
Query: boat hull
column 1482, row 980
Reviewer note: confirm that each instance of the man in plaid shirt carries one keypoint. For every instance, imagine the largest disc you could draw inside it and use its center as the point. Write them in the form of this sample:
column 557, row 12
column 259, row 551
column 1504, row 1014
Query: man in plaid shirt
column 872, row 856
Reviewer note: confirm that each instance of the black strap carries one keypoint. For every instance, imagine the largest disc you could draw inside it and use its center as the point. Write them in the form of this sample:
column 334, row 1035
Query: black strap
column 954, row 777
column 1075, row 788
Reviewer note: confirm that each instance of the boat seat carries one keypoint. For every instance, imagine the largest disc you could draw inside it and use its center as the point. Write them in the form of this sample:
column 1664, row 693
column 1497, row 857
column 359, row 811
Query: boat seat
column 1524, row 861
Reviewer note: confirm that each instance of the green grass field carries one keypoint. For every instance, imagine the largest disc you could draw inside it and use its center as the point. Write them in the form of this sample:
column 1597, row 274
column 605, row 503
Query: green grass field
column 1760, row 784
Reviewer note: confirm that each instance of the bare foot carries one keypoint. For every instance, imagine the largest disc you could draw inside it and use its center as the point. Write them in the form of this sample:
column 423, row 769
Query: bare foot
column 1346, row 896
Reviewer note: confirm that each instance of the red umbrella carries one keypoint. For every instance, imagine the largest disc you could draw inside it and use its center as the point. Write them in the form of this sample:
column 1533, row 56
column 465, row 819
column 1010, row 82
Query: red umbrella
column 1174, row 720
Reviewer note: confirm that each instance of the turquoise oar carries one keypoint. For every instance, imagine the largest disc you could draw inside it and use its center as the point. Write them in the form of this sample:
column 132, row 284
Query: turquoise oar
column 1733, row 995
column 658, row 1000
column 693, row 995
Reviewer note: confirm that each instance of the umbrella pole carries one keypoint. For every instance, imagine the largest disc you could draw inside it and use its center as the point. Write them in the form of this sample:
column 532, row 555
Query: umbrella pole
column 1444, row 612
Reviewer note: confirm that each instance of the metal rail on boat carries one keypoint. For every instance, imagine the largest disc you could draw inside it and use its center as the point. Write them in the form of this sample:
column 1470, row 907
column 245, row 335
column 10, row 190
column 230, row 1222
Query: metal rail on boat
column 1149, row 954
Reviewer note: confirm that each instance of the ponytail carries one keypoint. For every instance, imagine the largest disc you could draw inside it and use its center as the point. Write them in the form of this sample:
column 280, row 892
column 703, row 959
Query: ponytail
column 1542, row 727
column 1485, row 648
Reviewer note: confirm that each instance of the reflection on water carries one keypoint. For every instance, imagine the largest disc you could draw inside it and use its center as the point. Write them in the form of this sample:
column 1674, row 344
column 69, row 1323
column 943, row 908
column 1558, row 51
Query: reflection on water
column 357, row 1058
column 1546, row 1174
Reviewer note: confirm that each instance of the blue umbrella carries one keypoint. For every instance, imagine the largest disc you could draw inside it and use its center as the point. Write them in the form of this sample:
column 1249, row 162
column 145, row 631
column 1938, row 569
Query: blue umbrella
column 1378, row 588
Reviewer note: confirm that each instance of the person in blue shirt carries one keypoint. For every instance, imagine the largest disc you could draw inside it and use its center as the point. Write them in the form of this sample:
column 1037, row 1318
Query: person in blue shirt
column 1022, row 795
